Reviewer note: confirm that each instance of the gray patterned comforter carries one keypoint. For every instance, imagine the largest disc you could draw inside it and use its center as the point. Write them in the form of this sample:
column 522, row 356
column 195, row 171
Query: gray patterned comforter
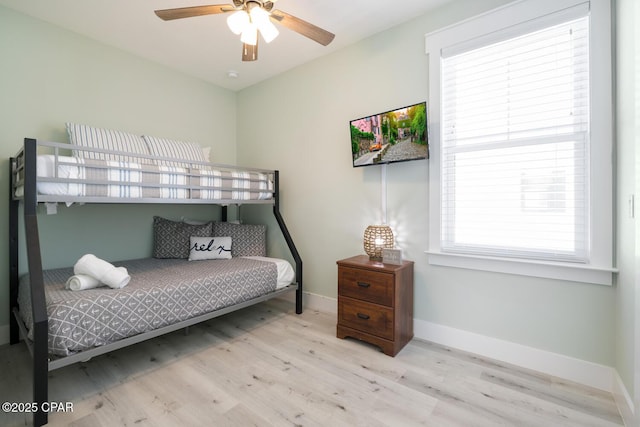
column 161, row 292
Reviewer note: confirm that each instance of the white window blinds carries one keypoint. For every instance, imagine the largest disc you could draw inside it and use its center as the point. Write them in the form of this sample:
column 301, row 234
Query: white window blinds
column 515, row 144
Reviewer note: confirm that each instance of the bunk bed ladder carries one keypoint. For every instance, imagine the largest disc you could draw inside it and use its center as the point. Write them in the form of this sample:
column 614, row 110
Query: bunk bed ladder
column 289, row 240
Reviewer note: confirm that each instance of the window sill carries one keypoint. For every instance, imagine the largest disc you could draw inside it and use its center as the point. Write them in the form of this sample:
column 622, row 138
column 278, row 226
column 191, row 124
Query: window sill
column 548, row 270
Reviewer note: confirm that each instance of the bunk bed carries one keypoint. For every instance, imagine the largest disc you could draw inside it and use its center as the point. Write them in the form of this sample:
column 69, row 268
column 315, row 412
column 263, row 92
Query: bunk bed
column 70, row 173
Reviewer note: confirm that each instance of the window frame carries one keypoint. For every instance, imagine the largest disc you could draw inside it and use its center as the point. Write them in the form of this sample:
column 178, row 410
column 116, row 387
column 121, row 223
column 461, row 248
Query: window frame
column 481, row 30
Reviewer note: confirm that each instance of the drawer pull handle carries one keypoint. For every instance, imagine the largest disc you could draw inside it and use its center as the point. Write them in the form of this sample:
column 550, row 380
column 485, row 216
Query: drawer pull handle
column 363, row 284
column 363, row 316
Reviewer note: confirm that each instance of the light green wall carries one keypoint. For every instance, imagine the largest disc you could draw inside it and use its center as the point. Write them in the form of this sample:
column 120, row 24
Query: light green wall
column 49, row 76
column 628, row 177
column 299, row 123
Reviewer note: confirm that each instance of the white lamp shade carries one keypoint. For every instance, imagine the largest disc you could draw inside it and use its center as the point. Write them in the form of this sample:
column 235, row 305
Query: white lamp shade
column 238, row 21
column 250, row 34
column 260, row 17
column 268, row 31
column 258, row 14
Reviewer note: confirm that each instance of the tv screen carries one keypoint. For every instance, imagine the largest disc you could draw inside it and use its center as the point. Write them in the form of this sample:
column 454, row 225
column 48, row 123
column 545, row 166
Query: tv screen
column 393, row 136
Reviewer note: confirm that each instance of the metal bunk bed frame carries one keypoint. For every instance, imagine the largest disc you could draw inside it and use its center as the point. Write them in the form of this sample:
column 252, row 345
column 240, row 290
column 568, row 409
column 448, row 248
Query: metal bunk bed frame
column 41, row 364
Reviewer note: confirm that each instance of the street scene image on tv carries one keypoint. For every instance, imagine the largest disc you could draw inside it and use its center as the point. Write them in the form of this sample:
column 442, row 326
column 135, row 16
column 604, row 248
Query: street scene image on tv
column 394, row 136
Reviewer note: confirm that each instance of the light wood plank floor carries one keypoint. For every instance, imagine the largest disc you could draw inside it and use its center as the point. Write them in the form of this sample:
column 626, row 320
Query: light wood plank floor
column 266, row 366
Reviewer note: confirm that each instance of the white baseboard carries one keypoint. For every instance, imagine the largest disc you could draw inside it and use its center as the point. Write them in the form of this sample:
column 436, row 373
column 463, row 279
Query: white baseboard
column 315, row 302
column 624, row 401
column 321, row 303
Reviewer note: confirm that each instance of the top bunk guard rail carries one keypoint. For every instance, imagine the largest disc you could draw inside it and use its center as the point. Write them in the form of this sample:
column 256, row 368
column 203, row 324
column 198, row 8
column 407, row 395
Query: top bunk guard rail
column 142, row 178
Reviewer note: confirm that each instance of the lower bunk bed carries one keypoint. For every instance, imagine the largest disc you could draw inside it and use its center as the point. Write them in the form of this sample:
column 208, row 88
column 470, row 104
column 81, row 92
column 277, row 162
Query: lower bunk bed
column 62, row 326
column 162, row 294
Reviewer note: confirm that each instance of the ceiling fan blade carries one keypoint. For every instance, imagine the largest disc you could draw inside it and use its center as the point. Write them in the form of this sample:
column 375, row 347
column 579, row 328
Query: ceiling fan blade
column 249, row 52
column 188, row 12
column 305, row 28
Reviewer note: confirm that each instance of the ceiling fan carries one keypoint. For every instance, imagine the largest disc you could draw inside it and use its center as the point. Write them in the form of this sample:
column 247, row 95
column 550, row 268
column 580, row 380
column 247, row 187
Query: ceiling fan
column 250, row 17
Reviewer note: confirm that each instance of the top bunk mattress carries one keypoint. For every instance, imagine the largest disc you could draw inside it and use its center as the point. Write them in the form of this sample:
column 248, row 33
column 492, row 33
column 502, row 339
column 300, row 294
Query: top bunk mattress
column 65, row 178
column 161, row 292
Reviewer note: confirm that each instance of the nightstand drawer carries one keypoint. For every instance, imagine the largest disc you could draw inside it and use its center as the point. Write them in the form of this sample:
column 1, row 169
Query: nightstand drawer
column 366, row 285
column 366, row 317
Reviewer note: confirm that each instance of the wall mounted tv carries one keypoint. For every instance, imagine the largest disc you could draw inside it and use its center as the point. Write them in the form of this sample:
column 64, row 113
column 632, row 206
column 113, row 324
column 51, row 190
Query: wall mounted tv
column 398, row 135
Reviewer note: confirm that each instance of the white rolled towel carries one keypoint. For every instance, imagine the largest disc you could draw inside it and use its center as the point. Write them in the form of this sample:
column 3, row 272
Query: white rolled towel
column 80, row 282
column 105, row 272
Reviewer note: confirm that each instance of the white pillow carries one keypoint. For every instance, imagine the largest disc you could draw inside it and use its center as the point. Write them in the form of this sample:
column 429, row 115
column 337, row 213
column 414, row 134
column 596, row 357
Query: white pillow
column 182, row 152
column 206, row 152
column 107, row 139
column 209, row 248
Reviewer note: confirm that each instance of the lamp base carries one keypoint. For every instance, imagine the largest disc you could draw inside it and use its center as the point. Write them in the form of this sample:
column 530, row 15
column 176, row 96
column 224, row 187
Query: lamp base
column 375, row 258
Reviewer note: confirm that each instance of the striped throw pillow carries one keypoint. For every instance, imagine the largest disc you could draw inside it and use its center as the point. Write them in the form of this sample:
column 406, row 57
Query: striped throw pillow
column 181, row 153
column 107, row 139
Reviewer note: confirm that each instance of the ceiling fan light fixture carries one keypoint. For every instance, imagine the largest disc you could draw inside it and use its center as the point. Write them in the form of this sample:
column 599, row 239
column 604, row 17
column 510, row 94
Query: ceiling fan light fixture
column 238, row 21
column 247, row 17
column 250, row 34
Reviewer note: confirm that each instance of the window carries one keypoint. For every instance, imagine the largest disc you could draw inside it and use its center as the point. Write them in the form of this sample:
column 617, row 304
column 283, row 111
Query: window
column 523, row 141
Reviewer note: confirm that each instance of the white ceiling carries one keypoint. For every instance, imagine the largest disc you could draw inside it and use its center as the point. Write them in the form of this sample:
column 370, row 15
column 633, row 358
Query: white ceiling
column 204, row 47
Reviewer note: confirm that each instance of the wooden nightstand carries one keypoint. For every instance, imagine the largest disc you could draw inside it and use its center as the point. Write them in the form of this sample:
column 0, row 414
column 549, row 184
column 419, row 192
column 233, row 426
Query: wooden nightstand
column 375, row 302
